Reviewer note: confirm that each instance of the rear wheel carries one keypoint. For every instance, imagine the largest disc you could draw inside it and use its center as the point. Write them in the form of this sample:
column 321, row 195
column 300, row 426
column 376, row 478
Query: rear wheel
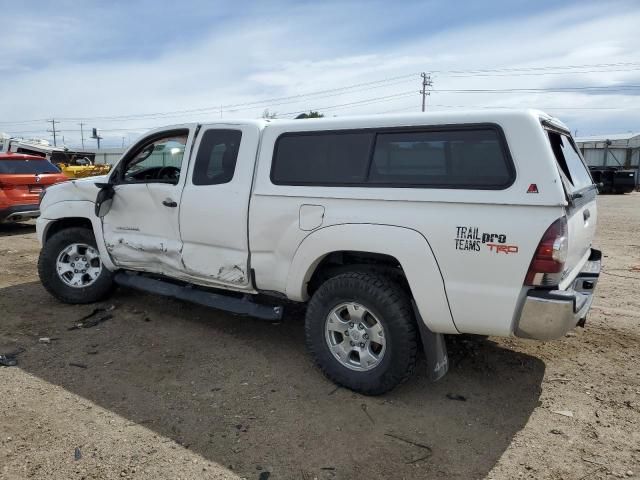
column 70, row 267
column 361, row 332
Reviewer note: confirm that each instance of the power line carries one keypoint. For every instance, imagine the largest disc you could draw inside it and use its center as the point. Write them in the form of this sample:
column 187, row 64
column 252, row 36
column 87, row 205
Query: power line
column 367, row 101
column 542, row 70
column 521, row 74
column 255, row 104
column 358, row 103
column 549, row 89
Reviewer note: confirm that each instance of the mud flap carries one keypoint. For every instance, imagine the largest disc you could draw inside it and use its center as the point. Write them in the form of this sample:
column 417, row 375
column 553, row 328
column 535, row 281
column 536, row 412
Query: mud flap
column 435, row 349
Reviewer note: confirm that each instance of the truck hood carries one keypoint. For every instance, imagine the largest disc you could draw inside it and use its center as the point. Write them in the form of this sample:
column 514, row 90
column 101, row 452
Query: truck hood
column 74, row 190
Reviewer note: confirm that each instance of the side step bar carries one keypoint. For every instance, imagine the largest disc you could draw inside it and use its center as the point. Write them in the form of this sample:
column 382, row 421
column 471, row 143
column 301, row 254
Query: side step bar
column 238, row 306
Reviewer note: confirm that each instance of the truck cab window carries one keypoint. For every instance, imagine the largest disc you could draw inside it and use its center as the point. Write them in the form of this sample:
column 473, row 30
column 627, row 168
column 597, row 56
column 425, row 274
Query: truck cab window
column 217, row 155
column 158, row 160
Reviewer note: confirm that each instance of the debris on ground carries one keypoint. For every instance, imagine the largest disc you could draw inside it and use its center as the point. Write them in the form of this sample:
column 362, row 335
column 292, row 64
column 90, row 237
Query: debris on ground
column 364, row 409
column 92, row 319
column 44, row 340
column 264, row 475
column 559, row 379
column 427, row 448
column 565, row 413
column 556, row 431
column 455, row 396
column 77, row 455
column 9, row 359
column 79, row 365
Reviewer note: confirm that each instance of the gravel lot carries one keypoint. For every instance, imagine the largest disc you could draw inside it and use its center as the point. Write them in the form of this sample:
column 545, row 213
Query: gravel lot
column 165, row 389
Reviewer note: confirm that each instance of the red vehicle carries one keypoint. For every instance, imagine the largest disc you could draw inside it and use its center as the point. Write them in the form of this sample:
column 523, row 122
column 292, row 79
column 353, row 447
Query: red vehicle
column 22, row 179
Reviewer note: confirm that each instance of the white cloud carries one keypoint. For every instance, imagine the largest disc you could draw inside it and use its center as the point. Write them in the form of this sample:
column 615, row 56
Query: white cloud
column 289, row 52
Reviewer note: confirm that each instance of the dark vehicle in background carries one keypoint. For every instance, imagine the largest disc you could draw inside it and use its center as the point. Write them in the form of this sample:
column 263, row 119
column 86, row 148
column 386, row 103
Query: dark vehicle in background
column 23, row 178
column 614, row 179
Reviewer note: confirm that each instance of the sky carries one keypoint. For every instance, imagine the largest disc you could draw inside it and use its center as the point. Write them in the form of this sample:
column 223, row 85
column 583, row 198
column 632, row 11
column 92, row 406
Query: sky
column 126, row 66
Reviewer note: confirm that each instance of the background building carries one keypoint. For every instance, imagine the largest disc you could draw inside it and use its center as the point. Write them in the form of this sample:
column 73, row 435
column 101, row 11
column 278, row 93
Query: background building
column 615, row 150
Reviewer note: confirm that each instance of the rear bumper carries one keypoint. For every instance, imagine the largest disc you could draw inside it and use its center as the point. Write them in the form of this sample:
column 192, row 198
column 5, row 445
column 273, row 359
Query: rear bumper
column 18, row 213
column 549, row 314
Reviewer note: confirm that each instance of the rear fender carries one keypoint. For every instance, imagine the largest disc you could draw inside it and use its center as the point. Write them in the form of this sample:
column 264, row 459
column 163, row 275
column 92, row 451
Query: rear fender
column 409, row 247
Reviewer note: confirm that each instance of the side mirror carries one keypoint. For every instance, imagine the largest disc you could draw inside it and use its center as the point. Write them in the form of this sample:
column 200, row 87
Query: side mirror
column 104, row 200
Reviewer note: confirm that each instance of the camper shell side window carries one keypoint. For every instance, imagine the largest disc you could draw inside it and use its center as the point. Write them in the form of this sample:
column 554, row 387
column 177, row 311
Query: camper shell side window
column 472, row 157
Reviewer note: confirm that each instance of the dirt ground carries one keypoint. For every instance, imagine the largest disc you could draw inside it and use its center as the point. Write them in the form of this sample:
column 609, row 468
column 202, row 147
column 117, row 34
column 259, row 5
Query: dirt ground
column 165, row 389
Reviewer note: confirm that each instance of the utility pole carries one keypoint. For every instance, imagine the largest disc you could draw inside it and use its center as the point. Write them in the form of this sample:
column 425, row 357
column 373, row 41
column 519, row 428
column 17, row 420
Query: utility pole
column 82, row 134
column 53, row 129
column 426, row 82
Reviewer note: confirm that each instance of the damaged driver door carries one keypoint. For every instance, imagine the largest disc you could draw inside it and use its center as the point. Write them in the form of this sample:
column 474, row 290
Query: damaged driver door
column 141, row 229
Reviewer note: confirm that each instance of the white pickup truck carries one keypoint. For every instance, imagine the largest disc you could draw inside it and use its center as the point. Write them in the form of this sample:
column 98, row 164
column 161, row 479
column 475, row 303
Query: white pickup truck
column 394, row 229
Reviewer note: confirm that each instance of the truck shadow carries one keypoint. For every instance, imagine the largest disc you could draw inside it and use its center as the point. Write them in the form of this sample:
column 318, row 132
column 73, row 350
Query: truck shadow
column 244, row 393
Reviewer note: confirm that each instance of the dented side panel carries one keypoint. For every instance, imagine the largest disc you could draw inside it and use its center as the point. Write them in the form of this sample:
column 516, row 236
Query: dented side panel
column 213, row 218
column 139, row 231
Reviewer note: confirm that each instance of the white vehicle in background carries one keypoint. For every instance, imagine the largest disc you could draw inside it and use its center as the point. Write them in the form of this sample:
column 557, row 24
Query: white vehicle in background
column 392, row 228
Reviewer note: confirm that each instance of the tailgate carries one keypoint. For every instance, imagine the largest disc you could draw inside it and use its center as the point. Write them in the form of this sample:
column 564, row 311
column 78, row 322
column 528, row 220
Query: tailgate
column 581, row 225
column 581, row 192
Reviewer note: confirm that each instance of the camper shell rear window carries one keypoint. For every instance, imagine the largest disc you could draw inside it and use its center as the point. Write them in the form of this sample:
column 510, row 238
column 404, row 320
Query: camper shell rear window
column 569, row 160
column 459, row 156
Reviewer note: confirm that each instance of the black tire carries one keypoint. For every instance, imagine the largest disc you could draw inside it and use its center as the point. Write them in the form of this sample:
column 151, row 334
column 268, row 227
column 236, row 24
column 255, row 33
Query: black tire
column 98, row 290
column 391, row 305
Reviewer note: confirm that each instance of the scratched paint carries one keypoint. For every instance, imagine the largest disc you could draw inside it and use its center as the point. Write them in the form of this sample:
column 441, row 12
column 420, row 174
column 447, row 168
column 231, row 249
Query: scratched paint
column 233, row 274
column 142, row 249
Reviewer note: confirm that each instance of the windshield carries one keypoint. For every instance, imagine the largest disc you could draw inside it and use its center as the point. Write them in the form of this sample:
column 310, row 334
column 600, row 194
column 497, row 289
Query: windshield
column 27, row 166
column 570, row 161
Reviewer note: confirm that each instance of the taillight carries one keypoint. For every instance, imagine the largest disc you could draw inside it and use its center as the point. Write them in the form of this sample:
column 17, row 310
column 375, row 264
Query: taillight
column 548, row 262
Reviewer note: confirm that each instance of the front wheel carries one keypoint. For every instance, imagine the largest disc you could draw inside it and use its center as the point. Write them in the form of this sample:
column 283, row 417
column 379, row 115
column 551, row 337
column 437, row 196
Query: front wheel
column 70, row 267
column 361, row 332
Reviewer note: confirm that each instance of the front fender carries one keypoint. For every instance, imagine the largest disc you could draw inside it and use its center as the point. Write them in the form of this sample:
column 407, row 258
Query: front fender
column 74, row 209
column 408, row 246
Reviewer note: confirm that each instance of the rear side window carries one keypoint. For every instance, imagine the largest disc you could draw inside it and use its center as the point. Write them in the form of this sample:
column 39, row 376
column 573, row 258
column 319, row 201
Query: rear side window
column 322, row 158
column 570, row 161
column 217, row 156
column 456, row 159
column 473, row 157
column 27, row 167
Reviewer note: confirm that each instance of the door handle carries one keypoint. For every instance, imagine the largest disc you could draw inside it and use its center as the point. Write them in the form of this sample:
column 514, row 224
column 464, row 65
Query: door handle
column 169, row 203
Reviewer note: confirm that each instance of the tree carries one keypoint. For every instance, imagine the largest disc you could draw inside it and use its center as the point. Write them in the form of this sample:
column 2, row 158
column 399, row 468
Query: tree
column 311, row 114
column 268, row 114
